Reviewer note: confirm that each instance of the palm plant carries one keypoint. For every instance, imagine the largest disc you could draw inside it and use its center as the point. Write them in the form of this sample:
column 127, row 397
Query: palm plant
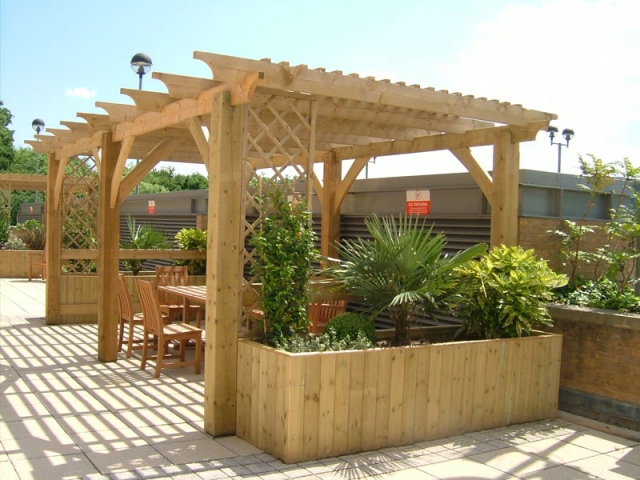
column 402, row 270
column 142, row 237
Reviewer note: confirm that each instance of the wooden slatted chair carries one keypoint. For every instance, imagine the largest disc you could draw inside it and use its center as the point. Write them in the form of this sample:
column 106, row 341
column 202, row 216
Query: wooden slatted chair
column 38, row 260
column 129, row 318
column 173, row 305
column 321, row 312
column 157, row 334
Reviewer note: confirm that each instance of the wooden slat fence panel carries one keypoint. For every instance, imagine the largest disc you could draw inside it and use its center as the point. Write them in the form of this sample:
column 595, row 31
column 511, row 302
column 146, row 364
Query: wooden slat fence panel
column 317, row 405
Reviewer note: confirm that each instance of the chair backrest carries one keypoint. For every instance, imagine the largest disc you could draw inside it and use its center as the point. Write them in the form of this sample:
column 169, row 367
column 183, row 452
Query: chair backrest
column 321, row 312
column 173, row 276
column 124, row 297
column 150, row 307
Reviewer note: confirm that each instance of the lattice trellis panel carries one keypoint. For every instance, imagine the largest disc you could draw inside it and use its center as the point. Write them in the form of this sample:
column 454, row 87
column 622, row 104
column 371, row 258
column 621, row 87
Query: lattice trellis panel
column 280, row 145
column 80, row 211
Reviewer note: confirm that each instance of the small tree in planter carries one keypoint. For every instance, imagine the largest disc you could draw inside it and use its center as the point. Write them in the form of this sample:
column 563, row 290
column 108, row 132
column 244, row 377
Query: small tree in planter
column 511, row 289
column 401, row 270
column 284, row 248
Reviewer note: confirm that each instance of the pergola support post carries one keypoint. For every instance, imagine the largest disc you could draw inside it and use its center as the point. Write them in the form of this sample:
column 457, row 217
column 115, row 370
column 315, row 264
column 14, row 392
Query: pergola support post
column 224, row 262
column 53, row 227
column 108, row 251
column 330, row 232
column 504, row 208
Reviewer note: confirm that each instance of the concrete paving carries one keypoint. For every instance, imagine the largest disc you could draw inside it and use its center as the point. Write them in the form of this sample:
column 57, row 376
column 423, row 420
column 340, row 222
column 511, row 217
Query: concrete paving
column 65, row 415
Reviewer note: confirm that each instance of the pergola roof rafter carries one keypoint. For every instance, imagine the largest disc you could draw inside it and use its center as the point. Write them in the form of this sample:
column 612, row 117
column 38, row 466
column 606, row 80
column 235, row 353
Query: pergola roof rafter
column 357, row 116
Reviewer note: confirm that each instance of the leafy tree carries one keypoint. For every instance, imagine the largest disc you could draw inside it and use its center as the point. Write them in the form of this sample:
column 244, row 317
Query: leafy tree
column 6, row 139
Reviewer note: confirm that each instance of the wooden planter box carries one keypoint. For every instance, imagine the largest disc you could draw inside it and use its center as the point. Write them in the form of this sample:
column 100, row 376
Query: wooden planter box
column 15, row 263
column 306, row 406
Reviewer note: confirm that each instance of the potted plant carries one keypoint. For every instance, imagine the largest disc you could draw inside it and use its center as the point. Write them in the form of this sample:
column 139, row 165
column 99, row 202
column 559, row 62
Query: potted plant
column 510, row 292
column 401, row 270
column 193, row 239
column 310, row 405
column 142, row 237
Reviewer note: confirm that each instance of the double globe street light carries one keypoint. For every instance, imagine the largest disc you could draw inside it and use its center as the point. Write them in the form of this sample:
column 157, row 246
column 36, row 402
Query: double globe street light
column 567, row 134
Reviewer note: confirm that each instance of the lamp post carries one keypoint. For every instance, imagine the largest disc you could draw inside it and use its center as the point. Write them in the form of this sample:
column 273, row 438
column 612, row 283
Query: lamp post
column 567, row 134
column 141, row 64
column 37, row 125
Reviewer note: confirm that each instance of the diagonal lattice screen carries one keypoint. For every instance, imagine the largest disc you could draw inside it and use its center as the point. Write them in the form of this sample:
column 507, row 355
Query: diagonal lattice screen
column 79, row 211
column 278, row 145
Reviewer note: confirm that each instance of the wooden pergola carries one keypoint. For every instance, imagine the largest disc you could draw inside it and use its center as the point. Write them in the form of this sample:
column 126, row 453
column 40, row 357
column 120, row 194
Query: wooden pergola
column 252, row 115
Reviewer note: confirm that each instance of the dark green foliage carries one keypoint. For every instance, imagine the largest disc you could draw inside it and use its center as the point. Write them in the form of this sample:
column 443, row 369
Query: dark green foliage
column 6, row 139
column 193, row 239
column 284, row 249
column 142, row 237
column 32, row 234
column 350, row 325
column 511, row 289
column 602, row 294
column 401, row 270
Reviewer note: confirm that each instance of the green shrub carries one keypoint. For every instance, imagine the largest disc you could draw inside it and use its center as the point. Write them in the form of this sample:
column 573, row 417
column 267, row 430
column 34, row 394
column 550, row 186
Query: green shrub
column 350, row 325
column 284, row 249
column 603, row 294
column 193, row 239
column 511, row 289
column 32, row 234
column 327, row 342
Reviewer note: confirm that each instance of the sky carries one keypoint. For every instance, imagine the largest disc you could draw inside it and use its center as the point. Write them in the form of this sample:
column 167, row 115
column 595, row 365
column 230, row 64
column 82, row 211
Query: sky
column 579, row 59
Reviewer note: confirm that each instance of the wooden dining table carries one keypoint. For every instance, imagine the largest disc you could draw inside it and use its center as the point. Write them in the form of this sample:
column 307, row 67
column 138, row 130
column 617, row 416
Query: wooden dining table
column 190, row 293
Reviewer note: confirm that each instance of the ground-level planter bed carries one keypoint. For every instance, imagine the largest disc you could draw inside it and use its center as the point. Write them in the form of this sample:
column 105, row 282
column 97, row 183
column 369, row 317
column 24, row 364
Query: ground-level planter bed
column 307, row 406
column 600, row 374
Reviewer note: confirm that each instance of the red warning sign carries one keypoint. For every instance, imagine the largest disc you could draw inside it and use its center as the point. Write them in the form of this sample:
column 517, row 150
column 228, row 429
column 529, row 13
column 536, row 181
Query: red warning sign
column 418, row 202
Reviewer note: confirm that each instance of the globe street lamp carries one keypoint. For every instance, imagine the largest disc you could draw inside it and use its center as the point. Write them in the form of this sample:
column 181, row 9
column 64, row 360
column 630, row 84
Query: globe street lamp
column 567, row 134
column 141, row 64
column 38, row 126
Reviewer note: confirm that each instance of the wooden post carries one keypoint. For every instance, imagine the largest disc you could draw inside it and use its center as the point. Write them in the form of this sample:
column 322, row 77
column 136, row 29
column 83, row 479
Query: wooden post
column 224, row 261
column 330, row 206
column 53, row 244
column 108, row 245
column 504, row 209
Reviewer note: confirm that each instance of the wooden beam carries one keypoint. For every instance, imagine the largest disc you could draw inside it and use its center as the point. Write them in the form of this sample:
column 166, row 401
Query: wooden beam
column 135, row 176
column 431, row 143
column 59, row 181
column 350, row 177
column 224, row 262
column 195, row 127
column 330, row 233
column 108, row 247
column 23, row 181
column 118, row 167
column 335, row 84
column 481, row 177
column 53, row 234
column 148, row 101
column 504, row 211
column 171, row 114
column 119, row 112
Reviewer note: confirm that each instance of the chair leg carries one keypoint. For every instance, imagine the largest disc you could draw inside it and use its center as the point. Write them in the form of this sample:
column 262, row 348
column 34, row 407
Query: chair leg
column 145, row 350
column 161, row 346
column 120, row 335
column 198, row 354
column 130, row 340
column 183, row 348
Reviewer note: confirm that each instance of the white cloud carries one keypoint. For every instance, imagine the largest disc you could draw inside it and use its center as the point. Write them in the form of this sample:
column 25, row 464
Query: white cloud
column 579, row 59
column 82, row 92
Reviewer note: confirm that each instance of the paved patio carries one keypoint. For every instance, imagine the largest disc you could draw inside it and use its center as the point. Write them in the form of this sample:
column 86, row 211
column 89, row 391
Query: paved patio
column 63, row 414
